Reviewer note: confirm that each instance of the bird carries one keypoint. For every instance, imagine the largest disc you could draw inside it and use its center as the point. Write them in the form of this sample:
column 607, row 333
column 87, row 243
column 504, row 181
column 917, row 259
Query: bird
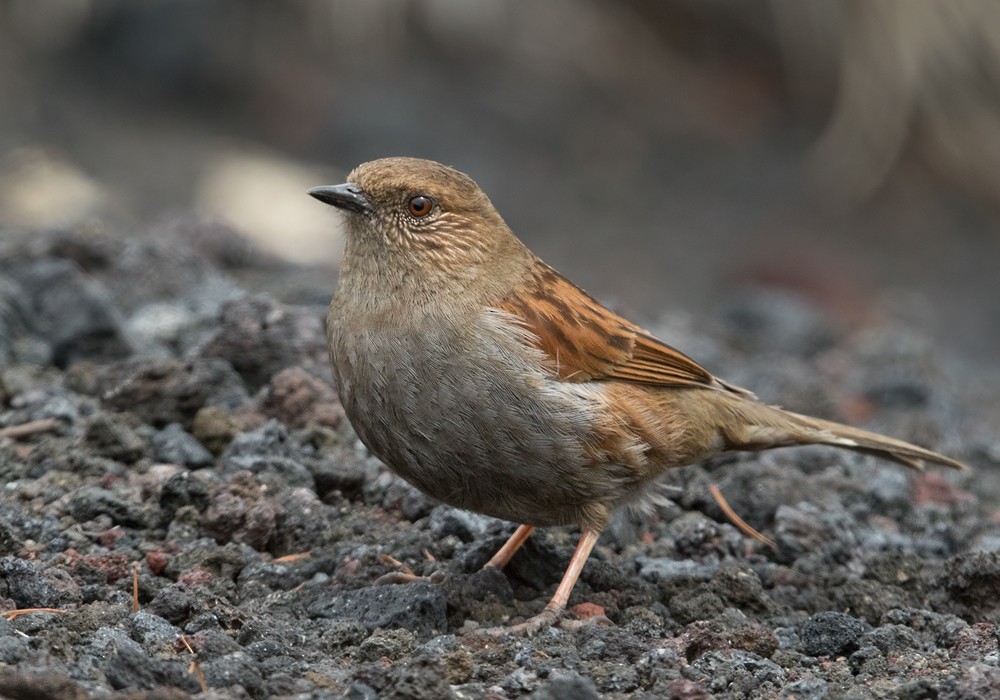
column 492, row 383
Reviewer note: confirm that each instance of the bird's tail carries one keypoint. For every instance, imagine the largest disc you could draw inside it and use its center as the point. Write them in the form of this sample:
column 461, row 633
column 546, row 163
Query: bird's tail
column 761, row 426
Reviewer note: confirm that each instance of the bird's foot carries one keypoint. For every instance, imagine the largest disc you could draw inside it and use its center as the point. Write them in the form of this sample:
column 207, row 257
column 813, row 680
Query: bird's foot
column 549, row 617
column 530, row 627
column 404, row 574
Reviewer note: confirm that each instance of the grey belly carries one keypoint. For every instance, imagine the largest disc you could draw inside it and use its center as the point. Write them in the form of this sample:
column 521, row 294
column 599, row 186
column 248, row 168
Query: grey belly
column 476, row 439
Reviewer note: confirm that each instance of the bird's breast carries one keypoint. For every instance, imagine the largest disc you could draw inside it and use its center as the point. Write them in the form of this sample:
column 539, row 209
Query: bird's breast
column 464, row 410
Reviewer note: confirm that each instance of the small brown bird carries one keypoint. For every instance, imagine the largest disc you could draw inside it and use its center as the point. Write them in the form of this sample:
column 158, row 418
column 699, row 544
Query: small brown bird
column 492, row 383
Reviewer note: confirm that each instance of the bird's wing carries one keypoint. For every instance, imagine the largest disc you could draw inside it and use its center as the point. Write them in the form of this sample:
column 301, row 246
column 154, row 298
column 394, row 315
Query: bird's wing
column 584, row 341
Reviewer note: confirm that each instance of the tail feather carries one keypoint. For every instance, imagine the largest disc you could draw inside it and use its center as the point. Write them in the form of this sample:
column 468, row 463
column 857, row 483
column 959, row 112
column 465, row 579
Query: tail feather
column 879, row 445
column 769, row 426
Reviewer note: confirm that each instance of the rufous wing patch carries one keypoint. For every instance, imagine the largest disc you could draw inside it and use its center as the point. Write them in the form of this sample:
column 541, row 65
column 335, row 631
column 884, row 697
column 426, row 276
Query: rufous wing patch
column 584, row 341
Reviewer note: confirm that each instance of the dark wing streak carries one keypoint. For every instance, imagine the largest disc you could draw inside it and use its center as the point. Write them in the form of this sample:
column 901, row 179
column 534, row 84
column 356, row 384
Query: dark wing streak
column 585, row 341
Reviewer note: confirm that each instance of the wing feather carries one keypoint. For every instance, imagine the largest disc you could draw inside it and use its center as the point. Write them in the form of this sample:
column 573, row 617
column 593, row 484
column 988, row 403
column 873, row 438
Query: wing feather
column 585, row 341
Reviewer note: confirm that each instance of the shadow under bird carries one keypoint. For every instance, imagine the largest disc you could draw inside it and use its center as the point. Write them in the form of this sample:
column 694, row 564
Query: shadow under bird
column 492, row 383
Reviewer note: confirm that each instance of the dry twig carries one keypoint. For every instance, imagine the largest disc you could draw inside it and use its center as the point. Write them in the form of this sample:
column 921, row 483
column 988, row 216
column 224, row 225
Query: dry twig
column 24, row 611
column 736, row 520
column 30, row 428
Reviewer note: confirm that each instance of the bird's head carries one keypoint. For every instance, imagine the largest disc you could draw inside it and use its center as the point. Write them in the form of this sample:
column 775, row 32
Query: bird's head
column 418, row 212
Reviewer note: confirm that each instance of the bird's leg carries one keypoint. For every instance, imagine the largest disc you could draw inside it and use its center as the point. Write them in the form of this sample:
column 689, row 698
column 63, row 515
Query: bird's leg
column 550, row 615
column 506, row 553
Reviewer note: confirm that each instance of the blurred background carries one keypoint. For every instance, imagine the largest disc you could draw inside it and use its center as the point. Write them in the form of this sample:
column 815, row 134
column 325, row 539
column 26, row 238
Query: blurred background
column 665, row 155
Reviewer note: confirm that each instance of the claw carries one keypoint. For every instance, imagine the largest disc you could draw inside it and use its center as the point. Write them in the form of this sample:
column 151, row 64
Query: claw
column 550, row 617
column 530, row 627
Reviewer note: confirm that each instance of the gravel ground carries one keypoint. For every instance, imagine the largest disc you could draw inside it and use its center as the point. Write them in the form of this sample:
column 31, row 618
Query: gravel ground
column 178, row 426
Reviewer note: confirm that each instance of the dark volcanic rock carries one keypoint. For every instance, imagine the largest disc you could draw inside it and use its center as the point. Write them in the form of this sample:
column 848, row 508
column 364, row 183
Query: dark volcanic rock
column 15, row 343
column 269, row 453
column 419, row 607
column 162, row 392
column 128, row 667
column 260, row 337
column 91, row 502
column 297, row 399
column 970, row 580
column 72, row 312
column 111, row 437
column 830, row 633
column 175, row 604
column 738, row 673
column 566, row 686
column 182, row 489
column 175, row 445
column 39, row 683
column 26, row 586
column 237, row 669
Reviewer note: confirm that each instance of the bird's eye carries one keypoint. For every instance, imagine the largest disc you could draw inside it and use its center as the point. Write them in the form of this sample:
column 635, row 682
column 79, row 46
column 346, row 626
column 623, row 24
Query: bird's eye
column 420, row 206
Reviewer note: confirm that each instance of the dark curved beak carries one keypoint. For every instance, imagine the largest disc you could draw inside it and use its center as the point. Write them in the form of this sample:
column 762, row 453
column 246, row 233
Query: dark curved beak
column 346, row 196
